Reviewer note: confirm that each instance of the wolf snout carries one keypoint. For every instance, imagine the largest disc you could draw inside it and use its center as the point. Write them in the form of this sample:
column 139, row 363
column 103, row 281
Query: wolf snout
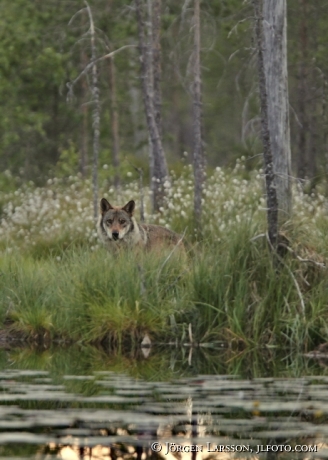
column 115, row 236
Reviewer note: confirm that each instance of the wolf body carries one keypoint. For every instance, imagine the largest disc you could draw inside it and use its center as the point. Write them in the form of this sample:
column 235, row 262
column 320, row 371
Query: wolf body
column 118, row 228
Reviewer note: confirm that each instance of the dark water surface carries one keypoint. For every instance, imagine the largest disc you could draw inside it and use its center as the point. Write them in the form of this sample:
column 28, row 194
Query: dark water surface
column 85, row 403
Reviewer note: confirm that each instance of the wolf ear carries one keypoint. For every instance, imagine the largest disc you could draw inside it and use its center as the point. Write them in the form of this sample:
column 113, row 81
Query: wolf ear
column 105, row 206
column 129, row 207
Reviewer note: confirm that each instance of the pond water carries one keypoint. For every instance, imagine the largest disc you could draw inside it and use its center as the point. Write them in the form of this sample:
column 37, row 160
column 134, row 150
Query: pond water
column 84, row 403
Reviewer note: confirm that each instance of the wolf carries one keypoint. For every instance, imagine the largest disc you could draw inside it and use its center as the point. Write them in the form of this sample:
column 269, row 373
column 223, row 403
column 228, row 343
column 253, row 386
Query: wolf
column 118, row 228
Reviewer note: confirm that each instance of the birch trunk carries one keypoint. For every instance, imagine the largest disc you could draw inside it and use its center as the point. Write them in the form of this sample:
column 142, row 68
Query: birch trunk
column 83, row 164
column 114, row 122
column 83, row 161
column 302, row 157
column 198, row 154
column 156, row 56
column 275, row 65
column 95, row 114
column 271, row 191
column 160, row 170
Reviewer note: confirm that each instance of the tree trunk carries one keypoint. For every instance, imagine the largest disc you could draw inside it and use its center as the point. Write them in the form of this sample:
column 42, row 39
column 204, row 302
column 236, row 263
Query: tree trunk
column 160, row 170
column 84, row 142
column 84, row 129
column 198, row 157
column 156, row 55
column 114, row 122
column 325, row 124
column 314, row 141
column 302, row 162
column 271, row 191
column 276, row 77
column 95, row 115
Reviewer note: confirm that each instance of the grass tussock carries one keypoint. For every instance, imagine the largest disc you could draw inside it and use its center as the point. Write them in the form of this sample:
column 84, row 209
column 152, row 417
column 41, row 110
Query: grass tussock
column 56, row 281
column 228, row 290
column 91, row 296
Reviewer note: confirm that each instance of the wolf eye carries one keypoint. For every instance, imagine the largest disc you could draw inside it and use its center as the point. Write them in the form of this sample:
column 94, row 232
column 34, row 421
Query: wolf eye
column 122, row 221
column 109, row 222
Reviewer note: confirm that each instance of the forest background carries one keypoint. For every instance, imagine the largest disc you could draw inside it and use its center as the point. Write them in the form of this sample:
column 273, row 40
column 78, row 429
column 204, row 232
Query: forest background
column 45, row 135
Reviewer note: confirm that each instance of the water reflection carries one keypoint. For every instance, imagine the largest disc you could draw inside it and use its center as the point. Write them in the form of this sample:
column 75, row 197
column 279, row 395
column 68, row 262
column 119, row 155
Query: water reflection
column 87, row 404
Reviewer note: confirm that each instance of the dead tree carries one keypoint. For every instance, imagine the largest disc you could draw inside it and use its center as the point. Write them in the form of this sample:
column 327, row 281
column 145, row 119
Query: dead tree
column 83, row 161
column 114, row 122
column 92, row 66
column 270, row 179
column 156, row 57
column 158, row 160
column 95, row 113
column 307, row 101
column 274, row 50
column 303, row 157
column 198, row 154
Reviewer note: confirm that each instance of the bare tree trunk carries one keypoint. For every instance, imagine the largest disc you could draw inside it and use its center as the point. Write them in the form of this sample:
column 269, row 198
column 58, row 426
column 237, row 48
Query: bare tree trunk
column 313, row 144
column 276, row 77
column 272, row 202
column 95, row 115
column 84, row 142
column 199, row 160
column 314, row 141
column 325, row 124
column 84, row 134
column 302, row 163
column 160, row 170
column 114, row 122
column 156, row 54
column 150, row 63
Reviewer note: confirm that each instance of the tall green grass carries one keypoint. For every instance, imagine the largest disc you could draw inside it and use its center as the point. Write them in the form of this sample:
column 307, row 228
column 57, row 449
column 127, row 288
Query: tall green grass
column 219, row 290
column 57, row 282
column 92, row 296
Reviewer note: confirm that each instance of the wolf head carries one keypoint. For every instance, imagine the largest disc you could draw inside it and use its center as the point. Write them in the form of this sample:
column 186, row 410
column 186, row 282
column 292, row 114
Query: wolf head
column 116, row 222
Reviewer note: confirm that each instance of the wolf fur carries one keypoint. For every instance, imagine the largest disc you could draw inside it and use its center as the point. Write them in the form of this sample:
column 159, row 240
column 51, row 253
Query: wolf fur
column 118, row 228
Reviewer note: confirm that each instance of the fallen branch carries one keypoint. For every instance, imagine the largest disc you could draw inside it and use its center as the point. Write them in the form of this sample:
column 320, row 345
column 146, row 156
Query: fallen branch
column 261, row 235
column 289, row 249
column 317, row 264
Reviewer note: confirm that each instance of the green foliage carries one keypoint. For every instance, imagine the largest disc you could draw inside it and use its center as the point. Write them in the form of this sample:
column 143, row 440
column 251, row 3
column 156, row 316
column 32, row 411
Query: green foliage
column 57, row 281
column 230, row 290
column 90, row 295
column 40, row 53
column 33, row 67
column 68, row 161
